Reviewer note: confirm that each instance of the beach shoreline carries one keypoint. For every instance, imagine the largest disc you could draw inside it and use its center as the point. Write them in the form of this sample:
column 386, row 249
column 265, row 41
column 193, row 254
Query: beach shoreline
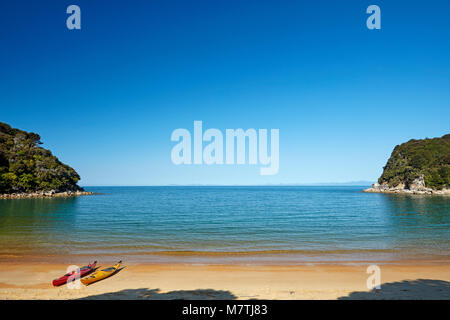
column 253, row 243
column 338, row 257
column 413, row 280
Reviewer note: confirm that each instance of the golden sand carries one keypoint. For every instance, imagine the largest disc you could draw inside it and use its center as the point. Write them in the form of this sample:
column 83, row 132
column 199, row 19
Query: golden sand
column 188, row 281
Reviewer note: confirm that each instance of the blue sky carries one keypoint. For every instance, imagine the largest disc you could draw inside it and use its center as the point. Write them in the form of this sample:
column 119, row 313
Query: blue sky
column 105, row 99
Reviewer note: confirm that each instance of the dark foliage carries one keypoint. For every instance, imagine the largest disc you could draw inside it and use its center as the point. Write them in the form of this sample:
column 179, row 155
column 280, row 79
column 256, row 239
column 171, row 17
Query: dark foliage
column 27, row 167
column 427, row 157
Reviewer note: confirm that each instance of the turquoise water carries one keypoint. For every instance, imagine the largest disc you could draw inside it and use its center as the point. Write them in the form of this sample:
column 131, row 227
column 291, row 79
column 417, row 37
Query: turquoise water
column 228, row 223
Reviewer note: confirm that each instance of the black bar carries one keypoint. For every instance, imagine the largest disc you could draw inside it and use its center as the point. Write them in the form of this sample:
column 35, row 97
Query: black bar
column 224, row 309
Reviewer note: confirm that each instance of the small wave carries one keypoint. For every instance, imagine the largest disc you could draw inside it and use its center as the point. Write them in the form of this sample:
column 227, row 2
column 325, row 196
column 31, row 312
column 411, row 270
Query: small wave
column 259, row 252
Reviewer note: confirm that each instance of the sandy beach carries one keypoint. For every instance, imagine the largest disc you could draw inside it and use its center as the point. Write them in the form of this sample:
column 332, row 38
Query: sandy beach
column 188, row 281
column 227, row 243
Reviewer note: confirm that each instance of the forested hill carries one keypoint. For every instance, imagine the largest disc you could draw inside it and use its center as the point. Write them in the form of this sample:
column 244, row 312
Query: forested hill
column 26, row 167
column 426, row 160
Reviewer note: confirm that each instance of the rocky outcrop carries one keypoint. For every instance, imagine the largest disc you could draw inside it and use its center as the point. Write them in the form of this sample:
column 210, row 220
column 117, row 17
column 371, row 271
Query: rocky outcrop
column 416, row 187
column 417, row 167
column 27, row 168
column 45, row 194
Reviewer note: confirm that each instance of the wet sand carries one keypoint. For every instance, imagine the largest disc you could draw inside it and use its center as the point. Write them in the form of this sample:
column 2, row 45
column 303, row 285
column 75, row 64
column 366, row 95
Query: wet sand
column 401, row 280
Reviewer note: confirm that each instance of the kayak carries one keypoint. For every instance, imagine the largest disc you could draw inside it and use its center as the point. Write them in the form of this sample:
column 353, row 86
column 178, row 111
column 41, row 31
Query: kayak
column 83, row 272
column 101, row 274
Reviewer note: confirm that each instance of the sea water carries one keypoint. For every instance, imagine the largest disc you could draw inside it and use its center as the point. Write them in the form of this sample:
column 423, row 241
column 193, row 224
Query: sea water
column 267, row 224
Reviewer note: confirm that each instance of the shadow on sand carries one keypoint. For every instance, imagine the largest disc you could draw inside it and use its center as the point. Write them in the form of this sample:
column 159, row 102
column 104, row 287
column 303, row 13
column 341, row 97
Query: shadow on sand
column 155, row 294
column 420, row 289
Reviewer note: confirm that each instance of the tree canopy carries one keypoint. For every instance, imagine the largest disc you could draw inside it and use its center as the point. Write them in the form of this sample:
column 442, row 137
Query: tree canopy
column 27, row 167
column 427, row 157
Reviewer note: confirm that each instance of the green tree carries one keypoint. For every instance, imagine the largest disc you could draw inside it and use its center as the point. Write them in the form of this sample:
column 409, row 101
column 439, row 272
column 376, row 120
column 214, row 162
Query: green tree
column 27, row 167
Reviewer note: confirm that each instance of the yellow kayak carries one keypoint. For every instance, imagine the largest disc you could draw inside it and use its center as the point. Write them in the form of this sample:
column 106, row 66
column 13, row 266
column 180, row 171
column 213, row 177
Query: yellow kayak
column 101, row 274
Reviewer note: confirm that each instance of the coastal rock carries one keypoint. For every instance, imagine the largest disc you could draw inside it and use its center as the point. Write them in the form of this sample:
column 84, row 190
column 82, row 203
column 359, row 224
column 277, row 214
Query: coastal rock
column 417, row 167
column 419, row 184
column 383, row 188
column 45, row 195
column 27, row 170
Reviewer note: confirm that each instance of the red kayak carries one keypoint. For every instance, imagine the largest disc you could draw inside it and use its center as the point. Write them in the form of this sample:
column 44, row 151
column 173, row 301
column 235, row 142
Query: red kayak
column 83, row 271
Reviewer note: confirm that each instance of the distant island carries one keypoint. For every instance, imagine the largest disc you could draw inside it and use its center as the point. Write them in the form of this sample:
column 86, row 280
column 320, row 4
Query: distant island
column 27, row 170
column 417, row 167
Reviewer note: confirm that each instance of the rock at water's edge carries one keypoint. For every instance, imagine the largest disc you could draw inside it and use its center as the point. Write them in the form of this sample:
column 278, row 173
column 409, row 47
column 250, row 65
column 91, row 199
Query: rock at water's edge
column 43, row 194
column 417, row 187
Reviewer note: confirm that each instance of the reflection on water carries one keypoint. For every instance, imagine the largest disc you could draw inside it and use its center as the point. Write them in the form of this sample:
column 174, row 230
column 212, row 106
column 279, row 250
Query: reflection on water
column 420, row 221
column 340, row 222
column 31, row 225
column 418, row 209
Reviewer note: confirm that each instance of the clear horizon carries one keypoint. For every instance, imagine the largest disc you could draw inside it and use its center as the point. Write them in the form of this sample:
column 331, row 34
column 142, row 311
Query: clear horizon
column 105, row 99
